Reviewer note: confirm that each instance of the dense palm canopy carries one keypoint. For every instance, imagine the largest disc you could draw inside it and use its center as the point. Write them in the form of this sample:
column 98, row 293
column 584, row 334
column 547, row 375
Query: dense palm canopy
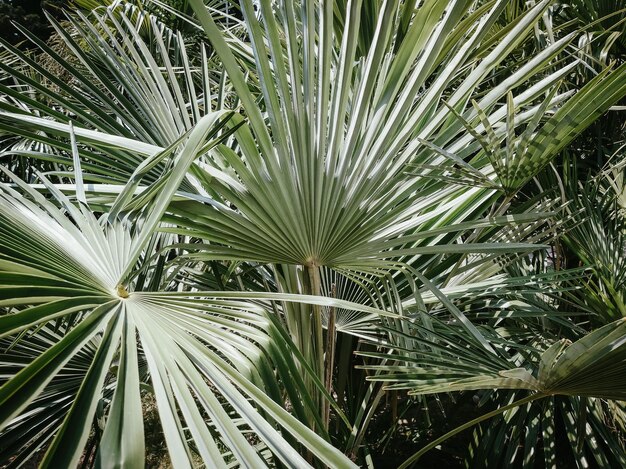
column 282, row 221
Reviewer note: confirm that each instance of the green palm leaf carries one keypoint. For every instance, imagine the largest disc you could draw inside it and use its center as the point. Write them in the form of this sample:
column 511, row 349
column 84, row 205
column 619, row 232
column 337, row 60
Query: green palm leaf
column 60, row 267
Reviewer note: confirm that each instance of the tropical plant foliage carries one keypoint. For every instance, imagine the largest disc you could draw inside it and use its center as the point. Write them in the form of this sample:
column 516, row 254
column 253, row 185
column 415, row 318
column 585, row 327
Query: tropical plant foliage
column 285, row 223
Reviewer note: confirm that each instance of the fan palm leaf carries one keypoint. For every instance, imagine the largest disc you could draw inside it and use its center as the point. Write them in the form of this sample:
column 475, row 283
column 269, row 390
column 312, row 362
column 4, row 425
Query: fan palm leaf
column 63, row 263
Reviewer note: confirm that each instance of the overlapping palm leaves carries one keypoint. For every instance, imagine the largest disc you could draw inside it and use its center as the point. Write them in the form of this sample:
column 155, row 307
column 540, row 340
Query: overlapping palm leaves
column 328, row 186
column 520, row 317
column 438, row 356
column 127, row 98
column 206, row 354
column 575, row 373
column 344, row 131
column 327, row 137
column 320, row 177
column 588, row 367
column 597, row 240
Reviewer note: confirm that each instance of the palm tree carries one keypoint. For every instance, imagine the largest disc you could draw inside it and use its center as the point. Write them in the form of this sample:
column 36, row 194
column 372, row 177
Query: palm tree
column 223, row 209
